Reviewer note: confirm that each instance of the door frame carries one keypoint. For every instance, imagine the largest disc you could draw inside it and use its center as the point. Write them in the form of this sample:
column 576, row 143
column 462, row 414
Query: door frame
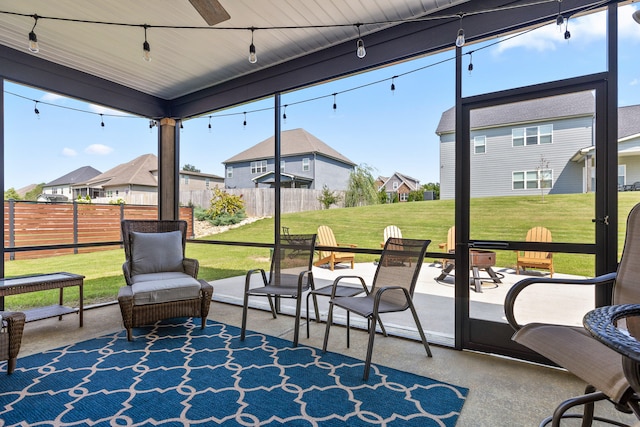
column 494, row 337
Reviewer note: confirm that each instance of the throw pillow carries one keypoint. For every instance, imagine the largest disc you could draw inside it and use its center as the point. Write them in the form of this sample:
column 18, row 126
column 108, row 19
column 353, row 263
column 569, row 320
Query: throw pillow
column 156, row 252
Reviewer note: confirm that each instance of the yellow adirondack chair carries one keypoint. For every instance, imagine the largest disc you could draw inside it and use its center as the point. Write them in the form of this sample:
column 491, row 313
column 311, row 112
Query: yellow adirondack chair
column 326, row 238
column 449, row 246
column 537, row 260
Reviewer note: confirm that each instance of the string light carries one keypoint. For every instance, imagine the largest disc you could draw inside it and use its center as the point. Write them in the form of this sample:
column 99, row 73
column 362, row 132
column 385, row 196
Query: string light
column 567, row 34
column 35, row 110
column 244, row 123
column 360, row 51
column 284, row 113
column 101, row 120
column 560, row 18
column 33, row 39
column 460, row 38
column 393, row 85
column 253, row 58
column 335, row 106
column 470, row 67
column 152, row 123
column 209, row 124
column 146, row 49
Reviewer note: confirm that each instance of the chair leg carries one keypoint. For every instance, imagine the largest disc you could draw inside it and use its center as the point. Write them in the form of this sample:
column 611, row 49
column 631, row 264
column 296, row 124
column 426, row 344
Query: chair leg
column 129, row 335
column 588, row 399
column 273, row 308
column 11, row 365
column 244, row 316
column 372, row 335
column 296, row 328
column 326, row 331
column 425, row 344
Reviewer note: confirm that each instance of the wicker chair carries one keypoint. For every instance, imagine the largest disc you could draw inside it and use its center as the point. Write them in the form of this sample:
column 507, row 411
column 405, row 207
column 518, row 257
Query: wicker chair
column 574, row 349
column 11, row 328
column 161, row 282
column 392, row 291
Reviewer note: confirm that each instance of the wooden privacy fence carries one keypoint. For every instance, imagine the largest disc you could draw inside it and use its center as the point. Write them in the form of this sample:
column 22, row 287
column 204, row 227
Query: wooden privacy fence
column 260, row 202
column 43, row 224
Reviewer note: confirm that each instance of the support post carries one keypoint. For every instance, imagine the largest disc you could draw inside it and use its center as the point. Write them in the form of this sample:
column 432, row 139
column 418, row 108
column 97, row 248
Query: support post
column 168, row 169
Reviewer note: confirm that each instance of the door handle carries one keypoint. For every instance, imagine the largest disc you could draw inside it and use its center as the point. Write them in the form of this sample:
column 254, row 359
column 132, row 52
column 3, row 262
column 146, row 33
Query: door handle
column 604, row 220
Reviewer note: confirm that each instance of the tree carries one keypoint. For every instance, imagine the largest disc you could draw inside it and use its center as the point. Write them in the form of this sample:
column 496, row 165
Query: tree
column 33, row 194
column 362, row 187
column 544, row 176
column 328, row 197
column 11, row 193
column 190, row 168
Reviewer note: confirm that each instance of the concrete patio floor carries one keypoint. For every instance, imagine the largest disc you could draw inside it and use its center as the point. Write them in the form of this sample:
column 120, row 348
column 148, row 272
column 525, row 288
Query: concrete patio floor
column 503, row 391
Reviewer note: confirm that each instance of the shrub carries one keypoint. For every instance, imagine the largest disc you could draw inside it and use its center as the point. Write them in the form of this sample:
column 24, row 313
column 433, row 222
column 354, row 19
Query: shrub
column 225, row 209
column 328, row 197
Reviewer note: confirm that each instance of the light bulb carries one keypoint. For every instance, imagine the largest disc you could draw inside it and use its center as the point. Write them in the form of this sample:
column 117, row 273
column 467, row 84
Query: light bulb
column 253, row 58
column 146, row 51
column 636, row 16
column 460, row 39
column 361, row 52
column 33, row 42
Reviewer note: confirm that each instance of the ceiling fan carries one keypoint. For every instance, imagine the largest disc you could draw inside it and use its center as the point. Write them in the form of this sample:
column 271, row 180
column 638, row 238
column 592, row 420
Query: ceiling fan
column 211, row 10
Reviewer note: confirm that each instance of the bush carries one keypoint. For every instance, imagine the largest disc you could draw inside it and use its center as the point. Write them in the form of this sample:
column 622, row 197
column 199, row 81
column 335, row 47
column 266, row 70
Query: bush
column 328, row 197
column 225, row 209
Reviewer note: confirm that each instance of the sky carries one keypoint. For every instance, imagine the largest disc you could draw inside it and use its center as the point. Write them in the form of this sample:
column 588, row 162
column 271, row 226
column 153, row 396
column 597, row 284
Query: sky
column 387, row 131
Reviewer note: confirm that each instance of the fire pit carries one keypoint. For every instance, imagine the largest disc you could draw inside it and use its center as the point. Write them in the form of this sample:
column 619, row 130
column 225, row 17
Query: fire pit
column 478, row 260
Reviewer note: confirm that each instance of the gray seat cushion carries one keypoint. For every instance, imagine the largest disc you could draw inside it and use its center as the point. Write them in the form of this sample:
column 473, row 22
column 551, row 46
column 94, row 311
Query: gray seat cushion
column 157, row 288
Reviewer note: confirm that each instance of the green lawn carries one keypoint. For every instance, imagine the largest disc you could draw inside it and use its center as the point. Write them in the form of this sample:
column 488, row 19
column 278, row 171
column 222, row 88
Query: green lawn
column 494, row 218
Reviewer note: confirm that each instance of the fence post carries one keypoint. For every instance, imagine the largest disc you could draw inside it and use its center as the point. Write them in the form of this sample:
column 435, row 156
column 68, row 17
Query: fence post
column 75, row 226
column 12, row 243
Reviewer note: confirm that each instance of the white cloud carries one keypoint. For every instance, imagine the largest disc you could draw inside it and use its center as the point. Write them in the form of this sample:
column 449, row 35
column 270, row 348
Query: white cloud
column 584, row 30
column 51, row 97
column 98, row 149
column 99, row 109
column 69, row 152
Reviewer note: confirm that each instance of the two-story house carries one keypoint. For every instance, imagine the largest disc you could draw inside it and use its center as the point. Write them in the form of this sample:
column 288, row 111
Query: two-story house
column 530, row 147
column 397, row 185
column 305, row 162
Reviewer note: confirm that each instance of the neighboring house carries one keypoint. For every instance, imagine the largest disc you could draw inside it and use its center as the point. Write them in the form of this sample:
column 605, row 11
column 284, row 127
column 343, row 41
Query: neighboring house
column 65, row 184
column 397, row 184
column 140, row 177
column 52, row 198
column 305, row 162
column 628, row 145
column 531, row 147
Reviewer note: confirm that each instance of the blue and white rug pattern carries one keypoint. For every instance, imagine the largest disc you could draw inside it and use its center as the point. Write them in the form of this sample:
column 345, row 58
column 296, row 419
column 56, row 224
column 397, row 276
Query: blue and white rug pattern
column 175, row 374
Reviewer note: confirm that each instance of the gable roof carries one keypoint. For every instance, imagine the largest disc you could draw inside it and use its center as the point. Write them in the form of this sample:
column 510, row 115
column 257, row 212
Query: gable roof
column 628, row 123
column 552, row 107
column 410, row 182
column 138, row 172
column 77, row 176
column 292, row 142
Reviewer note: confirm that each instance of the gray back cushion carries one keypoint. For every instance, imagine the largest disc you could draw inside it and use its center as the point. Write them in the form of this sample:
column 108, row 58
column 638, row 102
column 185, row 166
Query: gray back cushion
column 156, row 252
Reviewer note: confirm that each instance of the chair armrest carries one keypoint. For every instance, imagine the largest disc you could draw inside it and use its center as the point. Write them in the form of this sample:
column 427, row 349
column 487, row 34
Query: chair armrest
column 126, row 272
column 191, row 267
column 510, row 299
column 350, row 245
column 337, row 280
column 442, row 245
column 15, row 327
column 247, row 280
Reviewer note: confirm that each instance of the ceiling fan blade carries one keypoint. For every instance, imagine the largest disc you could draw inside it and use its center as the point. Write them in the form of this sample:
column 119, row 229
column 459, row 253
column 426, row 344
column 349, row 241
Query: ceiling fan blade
column 211, row 10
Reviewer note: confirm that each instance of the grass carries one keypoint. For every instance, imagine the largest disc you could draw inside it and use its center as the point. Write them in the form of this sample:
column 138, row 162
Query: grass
column 493, row 218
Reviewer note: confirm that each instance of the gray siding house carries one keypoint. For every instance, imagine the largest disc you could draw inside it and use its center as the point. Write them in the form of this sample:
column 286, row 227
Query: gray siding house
column 65, row 184
column 628, row 145
column 306, row 162
column 531, row 147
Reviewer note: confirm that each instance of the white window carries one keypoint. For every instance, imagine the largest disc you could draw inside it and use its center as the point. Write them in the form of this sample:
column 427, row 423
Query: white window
column 186, row 179
column 532, row 135
column 395, row 185
column 534, row 179
column 282, row 164
column 480, row 144
column 229, row 171
column 306, row 164
column 207, row 183
column 404, row 197
column 258, row 167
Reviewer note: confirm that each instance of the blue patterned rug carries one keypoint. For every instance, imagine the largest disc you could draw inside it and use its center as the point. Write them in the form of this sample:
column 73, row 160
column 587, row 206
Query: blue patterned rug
column 182, row 375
